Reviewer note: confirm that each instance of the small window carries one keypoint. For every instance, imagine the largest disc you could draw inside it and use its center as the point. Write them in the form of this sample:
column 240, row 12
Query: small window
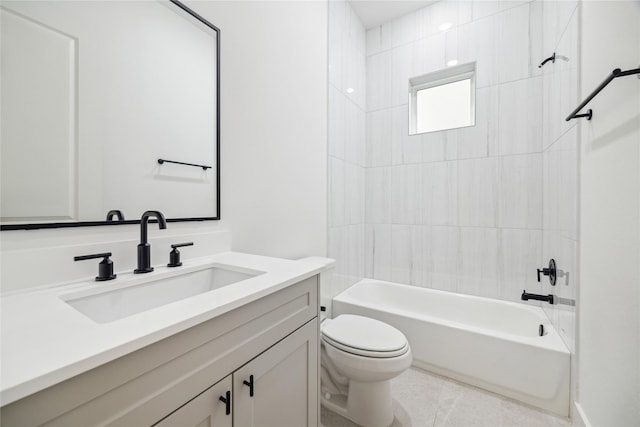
column 442, row 100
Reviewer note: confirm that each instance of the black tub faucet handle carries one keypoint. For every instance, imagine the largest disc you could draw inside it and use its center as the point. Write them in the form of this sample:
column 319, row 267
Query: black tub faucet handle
column 550, row 271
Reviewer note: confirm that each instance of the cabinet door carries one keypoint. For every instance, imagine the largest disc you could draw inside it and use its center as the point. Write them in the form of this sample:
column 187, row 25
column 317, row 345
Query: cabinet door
column 205, row 410
column 284, row 380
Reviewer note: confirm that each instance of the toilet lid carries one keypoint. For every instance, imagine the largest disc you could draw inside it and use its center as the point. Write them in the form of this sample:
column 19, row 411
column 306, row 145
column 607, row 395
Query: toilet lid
column 364, row 336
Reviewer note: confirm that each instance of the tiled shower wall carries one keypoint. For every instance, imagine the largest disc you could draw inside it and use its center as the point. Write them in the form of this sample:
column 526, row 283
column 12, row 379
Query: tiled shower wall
column 457, row 210
column 347, row 119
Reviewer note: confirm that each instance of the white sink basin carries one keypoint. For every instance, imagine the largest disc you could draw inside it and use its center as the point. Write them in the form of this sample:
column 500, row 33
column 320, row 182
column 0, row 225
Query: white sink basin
column 116, row 304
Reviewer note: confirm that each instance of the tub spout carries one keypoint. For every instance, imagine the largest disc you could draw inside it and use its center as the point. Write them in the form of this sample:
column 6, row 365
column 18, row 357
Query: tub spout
column 526, row 296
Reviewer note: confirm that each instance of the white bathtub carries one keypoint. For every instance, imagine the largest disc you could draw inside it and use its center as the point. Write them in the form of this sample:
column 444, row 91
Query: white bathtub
column 488, row 343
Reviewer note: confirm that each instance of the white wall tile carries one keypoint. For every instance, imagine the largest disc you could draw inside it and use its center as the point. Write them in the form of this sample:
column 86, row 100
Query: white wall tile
column 355, row 253
column 378, row 251
column 551, row 166
column 567, row 68
column 514, row 44
column 355, row 129
column 405, row 148
column 520, row 109
column 435, row 145
column 337, row 249
column 337, row 125
column 337, row 41
column 374, row 40
column 442, row 248
column 429, row 19
column 405, row 194
column 402, row 63
column 337, row 186
column 568, row 200
column 478, row 192
column 555, row 17
column 354, row 194
column 552, row 109
column 379, row 81
column 478, row 140
column 357, row 32
column 478, row 41
column 404, row 30
column 450, row 145
column 520, row 194
column 536, row 51
column 482, row 8
column 379, row 138
column 378, row 195
column 560, row 180
column 451, row 46
column 478, row 264
column 407, row 254
column 520, row 256
column 465, row 11
column 428, row 55
column 440, row 193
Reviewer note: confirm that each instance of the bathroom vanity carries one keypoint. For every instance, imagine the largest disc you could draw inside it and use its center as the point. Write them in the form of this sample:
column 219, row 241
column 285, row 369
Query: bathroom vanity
column 242, row 354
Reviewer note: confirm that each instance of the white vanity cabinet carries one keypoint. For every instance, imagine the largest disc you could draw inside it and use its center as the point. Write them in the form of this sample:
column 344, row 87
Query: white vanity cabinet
column 281, row 378
column 206, row 409
column 179, row 380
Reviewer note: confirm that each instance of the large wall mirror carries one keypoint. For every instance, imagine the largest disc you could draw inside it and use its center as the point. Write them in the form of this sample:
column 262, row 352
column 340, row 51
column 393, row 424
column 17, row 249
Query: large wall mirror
column 108, row 106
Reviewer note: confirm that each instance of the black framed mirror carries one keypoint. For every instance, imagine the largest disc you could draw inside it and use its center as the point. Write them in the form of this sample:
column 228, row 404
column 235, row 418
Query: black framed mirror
column 109, row 109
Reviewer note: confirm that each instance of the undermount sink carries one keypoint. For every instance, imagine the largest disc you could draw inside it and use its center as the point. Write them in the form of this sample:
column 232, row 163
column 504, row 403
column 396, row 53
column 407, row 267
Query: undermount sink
column 116, row 304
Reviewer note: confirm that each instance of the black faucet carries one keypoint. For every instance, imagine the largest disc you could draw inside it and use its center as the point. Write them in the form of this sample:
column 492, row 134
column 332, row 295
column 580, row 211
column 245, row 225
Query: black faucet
column 548, row 298
column 144, row 248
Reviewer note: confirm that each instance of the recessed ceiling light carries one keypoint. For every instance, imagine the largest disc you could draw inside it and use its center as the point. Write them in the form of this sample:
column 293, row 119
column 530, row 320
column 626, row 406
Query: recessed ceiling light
column 452, row 63
column 350, row 90
column 445, row 26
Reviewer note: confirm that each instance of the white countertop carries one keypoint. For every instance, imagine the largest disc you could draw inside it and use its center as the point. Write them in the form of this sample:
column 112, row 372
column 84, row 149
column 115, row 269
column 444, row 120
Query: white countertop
column 45, row 341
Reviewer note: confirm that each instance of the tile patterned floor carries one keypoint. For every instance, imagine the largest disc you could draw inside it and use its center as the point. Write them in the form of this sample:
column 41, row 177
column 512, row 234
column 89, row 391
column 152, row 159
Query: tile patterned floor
column 423, row 399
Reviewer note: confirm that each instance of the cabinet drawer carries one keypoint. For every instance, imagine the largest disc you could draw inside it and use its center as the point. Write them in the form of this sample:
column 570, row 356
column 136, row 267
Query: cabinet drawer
column 127, row 391
column 205, row 409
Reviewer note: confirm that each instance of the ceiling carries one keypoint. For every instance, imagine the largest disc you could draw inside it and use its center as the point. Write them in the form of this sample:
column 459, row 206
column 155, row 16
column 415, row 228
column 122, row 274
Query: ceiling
column 376, row 12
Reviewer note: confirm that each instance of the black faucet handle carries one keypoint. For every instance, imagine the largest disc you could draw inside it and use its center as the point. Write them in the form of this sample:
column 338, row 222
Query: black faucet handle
column 550, row 271
column 174, row 255
column 179, row 245
column 105, row 267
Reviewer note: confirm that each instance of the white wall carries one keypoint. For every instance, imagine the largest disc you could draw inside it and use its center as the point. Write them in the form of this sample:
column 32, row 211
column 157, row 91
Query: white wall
column 274, row 124
column 609, row 297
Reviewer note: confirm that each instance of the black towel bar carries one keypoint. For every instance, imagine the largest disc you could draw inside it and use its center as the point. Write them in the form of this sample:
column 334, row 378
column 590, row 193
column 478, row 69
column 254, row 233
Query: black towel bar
column 204, row 167
column 614, row 74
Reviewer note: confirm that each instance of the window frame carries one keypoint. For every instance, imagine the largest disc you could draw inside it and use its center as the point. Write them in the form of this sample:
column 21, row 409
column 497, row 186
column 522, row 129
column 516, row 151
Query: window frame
column 439, row 78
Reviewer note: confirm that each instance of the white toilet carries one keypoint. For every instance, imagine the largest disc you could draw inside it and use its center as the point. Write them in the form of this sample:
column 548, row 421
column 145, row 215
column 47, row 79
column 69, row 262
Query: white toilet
column 359, row 358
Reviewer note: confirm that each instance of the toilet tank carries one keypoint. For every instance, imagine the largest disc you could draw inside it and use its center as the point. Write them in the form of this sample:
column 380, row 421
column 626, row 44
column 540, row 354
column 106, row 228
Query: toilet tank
column 326, row 281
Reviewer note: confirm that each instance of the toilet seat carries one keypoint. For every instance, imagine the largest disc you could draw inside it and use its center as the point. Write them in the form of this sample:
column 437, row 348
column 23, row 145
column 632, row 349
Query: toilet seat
column 363, row 336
